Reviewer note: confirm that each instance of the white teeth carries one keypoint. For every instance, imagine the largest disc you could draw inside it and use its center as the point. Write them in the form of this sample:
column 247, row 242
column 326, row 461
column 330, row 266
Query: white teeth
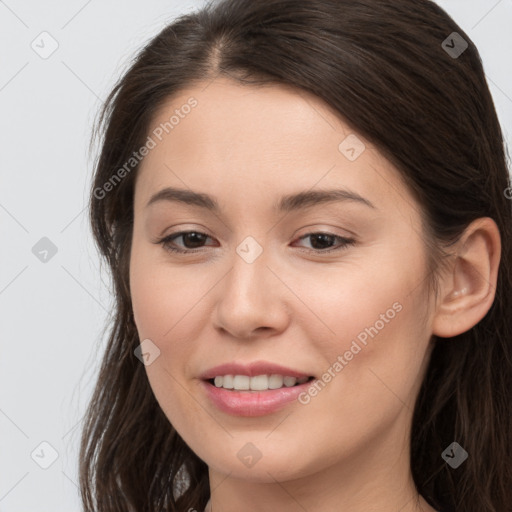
column 228, row 382
column 259, row 383
column 241, row 382
column 256, row 383
column 290, row 381
column 275, row 382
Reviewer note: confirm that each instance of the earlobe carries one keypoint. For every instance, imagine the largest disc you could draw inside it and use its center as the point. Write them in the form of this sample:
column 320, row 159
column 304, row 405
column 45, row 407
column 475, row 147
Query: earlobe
column 469, row 288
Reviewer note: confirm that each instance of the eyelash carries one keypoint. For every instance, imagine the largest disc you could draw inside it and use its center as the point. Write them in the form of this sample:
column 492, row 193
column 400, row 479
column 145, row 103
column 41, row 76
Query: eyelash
column 166, row 242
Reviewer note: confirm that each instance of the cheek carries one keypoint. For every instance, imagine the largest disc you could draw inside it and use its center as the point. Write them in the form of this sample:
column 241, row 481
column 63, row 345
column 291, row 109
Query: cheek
column 160, row 304
column 355, row 304
column 375, row 369
column 375, row 346
column 163, row 297
column 167, row 310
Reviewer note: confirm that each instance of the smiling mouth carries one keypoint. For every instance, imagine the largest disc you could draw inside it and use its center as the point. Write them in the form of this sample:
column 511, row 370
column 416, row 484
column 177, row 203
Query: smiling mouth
column 257, row 383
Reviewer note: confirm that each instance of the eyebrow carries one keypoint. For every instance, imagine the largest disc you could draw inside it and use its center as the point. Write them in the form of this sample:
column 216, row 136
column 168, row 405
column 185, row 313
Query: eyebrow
column 287, row 203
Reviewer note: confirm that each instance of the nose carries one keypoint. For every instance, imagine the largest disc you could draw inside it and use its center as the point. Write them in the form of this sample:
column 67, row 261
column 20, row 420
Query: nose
column 251, row 300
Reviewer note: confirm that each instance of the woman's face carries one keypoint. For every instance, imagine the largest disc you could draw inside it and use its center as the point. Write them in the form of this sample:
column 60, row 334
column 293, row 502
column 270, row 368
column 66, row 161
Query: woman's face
column 258, row 287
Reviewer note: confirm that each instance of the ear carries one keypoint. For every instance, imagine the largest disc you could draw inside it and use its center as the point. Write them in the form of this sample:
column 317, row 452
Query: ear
column 469, row 288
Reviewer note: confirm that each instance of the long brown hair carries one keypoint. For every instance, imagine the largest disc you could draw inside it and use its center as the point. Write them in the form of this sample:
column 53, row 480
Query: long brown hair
column 385, row 67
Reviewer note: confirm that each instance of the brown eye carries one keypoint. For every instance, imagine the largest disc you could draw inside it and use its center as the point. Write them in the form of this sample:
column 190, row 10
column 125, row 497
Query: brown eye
column 191, row 240
column 322, row 242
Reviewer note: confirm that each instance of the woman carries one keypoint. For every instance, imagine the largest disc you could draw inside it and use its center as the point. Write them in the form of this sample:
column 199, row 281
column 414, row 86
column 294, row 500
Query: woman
column 303, row 206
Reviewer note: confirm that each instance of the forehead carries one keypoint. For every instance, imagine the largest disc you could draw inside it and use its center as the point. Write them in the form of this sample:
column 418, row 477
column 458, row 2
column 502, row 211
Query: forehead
column 259, row 143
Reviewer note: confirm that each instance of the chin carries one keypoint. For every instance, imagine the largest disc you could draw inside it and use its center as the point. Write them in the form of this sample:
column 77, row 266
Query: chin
column 261, row 467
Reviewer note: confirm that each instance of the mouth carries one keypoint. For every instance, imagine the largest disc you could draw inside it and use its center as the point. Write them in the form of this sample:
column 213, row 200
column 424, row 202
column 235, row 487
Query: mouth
column 259, row 395
column 256, row 388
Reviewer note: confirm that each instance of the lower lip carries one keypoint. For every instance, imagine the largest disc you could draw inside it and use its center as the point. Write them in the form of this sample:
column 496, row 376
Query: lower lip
column 253, row 403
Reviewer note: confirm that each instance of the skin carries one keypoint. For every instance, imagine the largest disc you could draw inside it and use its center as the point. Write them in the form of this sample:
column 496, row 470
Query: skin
column 348, row 448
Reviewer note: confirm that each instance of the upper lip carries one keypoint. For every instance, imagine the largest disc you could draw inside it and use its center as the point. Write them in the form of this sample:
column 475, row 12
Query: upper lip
column 251, row 369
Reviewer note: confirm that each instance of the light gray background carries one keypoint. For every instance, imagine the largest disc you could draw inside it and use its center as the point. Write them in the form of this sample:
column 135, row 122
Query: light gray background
column 53, row 313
